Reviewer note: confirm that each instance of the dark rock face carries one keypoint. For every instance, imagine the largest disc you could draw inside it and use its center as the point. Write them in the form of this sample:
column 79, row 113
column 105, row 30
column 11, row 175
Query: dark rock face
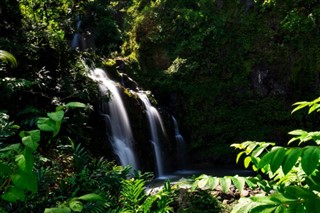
column 264, row 82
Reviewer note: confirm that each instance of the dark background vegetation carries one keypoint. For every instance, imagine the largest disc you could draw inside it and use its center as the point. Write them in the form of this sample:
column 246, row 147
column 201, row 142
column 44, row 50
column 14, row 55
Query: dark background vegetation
column 227, row 70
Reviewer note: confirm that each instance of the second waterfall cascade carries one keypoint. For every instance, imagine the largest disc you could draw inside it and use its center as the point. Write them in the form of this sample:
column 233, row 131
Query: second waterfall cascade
column 154, row 120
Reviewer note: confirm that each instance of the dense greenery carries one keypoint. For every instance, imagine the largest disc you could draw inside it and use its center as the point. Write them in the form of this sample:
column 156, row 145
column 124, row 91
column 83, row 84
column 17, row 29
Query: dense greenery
column 227, row 70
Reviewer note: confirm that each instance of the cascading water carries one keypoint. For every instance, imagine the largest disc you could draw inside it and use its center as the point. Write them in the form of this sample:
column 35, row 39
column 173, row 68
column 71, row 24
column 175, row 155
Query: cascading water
column 121, row 135
column 77, row 36
column 155, row 121
column 181, row 146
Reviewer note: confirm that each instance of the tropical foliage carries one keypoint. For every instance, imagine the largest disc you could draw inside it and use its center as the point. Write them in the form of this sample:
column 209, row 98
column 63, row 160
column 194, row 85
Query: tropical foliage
column 227, row 70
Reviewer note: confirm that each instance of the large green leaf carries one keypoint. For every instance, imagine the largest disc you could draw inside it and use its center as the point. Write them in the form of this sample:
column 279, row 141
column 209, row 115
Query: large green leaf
column 25, row 160
column 13, row 194
column 277, row 158
column 56, row 116
column 239, row 182
column 46, row 124
column 266, row 159
column 30, row 143
column 310, row 159
column 213, row 182
column 203, row 180
column 292, row 156
column 225, row 183
column 25, row 180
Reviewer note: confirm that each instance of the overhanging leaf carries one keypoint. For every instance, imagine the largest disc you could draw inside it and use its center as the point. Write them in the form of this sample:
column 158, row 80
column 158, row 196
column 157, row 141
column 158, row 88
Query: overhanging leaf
column 292, row 156
column 310, row 159
column 277, row 158
column 75, row 105
column 265, row 159
column 301, row 105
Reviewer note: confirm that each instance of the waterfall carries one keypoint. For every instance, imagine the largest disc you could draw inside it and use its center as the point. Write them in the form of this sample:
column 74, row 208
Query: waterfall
column 181, row 146
column 77, row 36
column 78, row 40
column 154, row 120
column 121, row 137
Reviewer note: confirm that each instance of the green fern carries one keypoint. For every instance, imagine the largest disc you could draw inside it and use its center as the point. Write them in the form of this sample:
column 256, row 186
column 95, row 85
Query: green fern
column 132, row 194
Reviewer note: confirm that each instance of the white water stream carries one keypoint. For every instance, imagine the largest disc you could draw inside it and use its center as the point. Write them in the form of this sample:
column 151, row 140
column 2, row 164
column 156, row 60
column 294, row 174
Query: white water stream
column 155, row 122
column 121, row 135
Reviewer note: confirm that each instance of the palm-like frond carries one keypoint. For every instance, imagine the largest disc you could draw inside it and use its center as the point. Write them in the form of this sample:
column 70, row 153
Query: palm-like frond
column 8, row 57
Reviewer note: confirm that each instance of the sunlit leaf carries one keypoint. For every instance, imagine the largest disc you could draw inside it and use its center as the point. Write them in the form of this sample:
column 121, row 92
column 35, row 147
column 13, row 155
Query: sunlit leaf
column 203, row 182
column 247, row 161
column 239, row 155
column 239, row 182
column 298, row 132
column 225, row 183
column 258, row 151
column 76, row 206
column 300, row 106
column 313, row 108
